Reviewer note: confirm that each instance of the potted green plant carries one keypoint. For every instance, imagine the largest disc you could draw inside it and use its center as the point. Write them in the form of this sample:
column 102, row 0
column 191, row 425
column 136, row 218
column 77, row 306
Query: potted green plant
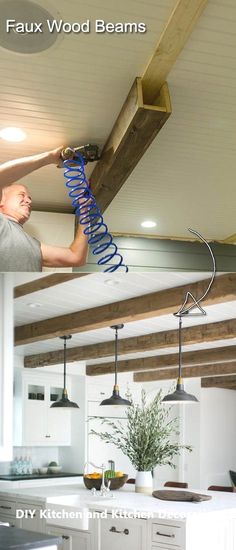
column 146, row 438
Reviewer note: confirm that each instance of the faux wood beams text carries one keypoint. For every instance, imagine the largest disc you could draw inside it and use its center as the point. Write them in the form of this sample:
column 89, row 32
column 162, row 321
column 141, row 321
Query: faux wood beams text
column 139, row 308
column 136, row 127
column 187, row 372
column 221, row 330
column 156, row 362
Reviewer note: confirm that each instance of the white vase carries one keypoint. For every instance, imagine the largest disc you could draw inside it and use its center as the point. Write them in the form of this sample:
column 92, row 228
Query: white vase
column 143, row 483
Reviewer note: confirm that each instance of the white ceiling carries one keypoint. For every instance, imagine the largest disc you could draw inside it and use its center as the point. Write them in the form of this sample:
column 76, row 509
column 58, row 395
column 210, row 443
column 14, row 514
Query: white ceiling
column 72, row 93
column 92, row 291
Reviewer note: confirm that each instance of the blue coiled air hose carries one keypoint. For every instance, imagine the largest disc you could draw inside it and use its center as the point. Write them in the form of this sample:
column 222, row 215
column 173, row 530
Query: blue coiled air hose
column 90, row 215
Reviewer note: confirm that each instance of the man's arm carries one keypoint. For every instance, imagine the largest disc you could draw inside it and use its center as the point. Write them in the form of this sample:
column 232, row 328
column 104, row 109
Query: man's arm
column 14, row 170
column 73, row 256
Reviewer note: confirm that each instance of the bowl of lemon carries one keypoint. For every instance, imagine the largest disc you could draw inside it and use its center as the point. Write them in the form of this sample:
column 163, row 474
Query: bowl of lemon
column 116, row 479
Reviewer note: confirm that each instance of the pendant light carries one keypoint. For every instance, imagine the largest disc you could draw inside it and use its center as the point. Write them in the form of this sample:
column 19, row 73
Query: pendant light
column 180, row 395
column 64, row 401
column 115, row 398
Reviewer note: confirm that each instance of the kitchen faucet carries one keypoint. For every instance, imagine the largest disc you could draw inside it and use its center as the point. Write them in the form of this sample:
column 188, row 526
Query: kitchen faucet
column 103, row 489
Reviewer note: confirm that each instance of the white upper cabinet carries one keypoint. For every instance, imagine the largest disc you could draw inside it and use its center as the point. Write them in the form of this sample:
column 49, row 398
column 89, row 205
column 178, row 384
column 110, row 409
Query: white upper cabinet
column 35, row 423
column 6, row 365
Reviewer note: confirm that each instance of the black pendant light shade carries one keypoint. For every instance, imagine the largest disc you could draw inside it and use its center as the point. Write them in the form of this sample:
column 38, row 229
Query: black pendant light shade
column 64, row 401
column 115, row 398
column 180, row 395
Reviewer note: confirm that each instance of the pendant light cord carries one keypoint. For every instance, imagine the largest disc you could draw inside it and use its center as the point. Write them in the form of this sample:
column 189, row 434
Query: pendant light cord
column 180, row 347
column 116, row 352
column 64, row 364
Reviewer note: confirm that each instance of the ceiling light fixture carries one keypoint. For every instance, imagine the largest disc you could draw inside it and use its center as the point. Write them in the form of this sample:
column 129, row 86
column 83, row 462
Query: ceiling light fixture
column 148, row 224
column 180, row 395
column 64, row 402
column 115, row 398
column 12, row 134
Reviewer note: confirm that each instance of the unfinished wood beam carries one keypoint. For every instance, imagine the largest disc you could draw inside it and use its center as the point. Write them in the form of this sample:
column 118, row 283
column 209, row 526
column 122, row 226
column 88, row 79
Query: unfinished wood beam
column 45, row 282
column 195, row 357
column 133, row 309
column 221, row 330
column 135, row 128
column 187, row 372
column 140, row 120
column 172, row 40
column 226, row 382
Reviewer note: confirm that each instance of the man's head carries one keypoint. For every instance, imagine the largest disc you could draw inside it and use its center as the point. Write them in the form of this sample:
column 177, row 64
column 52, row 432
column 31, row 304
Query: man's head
column 16, row 203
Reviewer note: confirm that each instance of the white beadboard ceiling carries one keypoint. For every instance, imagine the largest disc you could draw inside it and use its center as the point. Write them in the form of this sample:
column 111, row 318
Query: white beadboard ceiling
column 73, row 92
column 92, row 291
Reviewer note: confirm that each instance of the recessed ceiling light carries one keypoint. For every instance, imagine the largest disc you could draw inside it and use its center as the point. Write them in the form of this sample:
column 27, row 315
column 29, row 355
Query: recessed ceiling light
column 148, row 224
column 12, row 134
column 34, row 304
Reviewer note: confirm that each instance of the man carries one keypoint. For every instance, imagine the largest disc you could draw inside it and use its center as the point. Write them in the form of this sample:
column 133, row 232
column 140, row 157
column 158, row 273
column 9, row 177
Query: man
column 19, row 251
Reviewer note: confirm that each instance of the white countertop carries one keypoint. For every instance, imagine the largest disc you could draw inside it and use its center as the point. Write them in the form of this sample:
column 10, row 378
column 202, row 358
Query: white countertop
column 127, row 499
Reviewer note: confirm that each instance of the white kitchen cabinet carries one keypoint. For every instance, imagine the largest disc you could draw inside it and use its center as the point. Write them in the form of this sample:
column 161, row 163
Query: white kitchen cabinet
column 128, row 534
column 72, row 540
column 31, row 521
column 8, row 512
column 168, row 533
column 6, row 365
column 35, row 423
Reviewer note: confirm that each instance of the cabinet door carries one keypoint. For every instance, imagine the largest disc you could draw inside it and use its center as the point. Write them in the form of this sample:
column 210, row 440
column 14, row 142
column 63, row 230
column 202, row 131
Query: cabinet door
column 13, row 522
column 34, row 422
column 72, row 540
column 31, row 522
column 58, row 426
column 123, row 533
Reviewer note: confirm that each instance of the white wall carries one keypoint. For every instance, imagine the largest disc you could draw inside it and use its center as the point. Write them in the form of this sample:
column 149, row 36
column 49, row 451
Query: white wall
column 218, row 446
column 6, row 365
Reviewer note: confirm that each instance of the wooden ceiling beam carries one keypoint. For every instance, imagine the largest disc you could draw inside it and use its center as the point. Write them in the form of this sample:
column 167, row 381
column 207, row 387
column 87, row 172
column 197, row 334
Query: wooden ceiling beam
column 135, row 128
column 172, row 40
column 221, row 330
column 146, row 108
column 142, row 307
column 187, row 372
column 219, row 382
column 45, row 282
column 155, row 362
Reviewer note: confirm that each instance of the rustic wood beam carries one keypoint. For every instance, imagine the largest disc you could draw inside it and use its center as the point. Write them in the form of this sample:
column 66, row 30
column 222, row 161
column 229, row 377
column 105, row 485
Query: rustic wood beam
column 133, row 309
column 136, row 127
column 187, row 372
column 45, row 282
column 221, row 330
column 172, row 40
column 142, row 117
column 195, row 357
column 219, row 382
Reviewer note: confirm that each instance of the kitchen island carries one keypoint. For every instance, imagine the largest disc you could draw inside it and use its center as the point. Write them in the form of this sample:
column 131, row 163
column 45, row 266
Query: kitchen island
column 19, row 539
column 133, row 521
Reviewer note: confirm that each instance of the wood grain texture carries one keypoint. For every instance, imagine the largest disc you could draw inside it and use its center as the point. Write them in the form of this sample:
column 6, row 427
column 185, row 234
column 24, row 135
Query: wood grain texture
column 172, row 40
column 219, row 381
column 134, row 130
column 187, row 372
column 133, row 309
column 221, row 330
column 45, row 282
column 196, row 357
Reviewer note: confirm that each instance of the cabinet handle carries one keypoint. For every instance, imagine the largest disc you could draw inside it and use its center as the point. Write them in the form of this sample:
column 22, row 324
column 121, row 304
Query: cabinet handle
column 165, row 535
column 6, row 507
column 47, row 436
column 65, row 537
column 114, row 530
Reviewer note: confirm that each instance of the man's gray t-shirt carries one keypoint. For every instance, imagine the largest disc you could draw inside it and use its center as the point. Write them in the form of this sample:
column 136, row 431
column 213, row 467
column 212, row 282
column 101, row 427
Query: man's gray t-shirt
column 18, row 250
